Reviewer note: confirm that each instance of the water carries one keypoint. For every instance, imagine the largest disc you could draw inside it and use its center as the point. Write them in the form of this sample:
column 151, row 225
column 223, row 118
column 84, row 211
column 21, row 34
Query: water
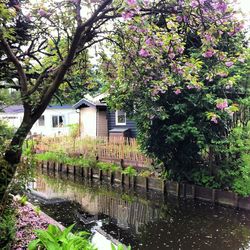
column 143, row 220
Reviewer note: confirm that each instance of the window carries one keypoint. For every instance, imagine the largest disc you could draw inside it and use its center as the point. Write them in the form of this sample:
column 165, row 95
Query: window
column 58, row 121
column 120, row 117
column 41, row 121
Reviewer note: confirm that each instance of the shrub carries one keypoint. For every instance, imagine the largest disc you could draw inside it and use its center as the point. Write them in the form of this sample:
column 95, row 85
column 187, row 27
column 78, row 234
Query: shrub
column 129, row 171
column 108, row 166
column 7, row 228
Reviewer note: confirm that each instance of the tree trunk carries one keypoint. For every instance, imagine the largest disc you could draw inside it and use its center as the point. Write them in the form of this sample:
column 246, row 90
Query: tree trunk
column 13, row 156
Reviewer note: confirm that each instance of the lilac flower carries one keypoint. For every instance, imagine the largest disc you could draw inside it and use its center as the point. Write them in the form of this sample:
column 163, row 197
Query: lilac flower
column 132, row 27
column 221, row 6
column 208, row 37
column 209, row 53
column 171, row 56
column 190, row 87
column 159, row 43
column 229, row 64
column 242, row 60
column 177, row 91
column 144, row 53
column 180, row 50
column 222, row 105
column 43, row 13
column 127, row 15
column 149, row 41
column 131, row 2
column 194, row 4
column 179, row 19
column 238, row 28
column 222, row 74
column 214, row 119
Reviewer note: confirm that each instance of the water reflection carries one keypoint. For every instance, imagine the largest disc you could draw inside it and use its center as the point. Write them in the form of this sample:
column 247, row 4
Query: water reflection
column 143, row 220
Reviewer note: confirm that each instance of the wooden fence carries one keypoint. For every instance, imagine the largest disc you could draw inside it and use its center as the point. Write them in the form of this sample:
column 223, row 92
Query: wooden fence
column 111, row 149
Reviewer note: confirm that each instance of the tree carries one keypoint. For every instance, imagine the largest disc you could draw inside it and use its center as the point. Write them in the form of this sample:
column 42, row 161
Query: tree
column 177, row 75
column 51, row 41
column 39, row 43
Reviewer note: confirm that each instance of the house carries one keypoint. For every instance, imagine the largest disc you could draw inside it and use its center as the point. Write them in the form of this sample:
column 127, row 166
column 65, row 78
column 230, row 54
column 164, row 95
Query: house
column 97, row 120
column 54, row 121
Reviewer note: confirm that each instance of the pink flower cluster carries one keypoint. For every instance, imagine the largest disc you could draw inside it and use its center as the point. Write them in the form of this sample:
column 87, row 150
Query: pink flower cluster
column 43, row 13
column 127, row 15
column 177, row 91
column 144, row 53
column 209, row 53
column 229, row 64
column 214, row 119
column 222, row 104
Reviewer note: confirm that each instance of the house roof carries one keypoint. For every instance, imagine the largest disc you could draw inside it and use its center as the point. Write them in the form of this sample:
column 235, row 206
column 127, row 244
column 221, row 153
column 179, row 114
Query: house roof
column 90, row 101
column 13, row 109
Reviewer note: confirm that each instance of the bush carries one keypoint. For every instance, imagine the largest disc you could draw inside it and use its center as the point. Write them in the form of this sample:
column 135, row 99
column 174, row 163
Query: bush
column 129, row 171
column 7, row 227
column 108, row 166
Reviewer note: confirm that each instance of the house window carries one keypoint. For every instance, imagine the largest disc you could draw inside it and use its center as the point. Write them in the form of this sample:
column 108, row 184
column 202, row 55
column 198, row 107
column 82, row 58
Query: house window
column 120, row 117
column 58, row 121
column 41, row 121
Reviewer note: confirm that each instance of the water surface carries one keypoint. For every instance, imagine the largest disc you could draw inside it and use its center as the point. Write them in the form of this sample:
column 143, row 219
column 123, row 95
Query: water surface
column 144, row 220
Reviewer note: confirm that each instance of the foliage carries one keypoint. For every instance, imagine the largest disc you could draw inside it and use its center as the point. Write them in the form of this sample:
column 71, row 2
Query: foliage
column 55, row 238
column 7, row 227
column 145, row 173
column 179, row 78
column 65, row 159
column 130, row 171
column 108, row 166
column 120, row 247
column 6, row 133
column 23, row 200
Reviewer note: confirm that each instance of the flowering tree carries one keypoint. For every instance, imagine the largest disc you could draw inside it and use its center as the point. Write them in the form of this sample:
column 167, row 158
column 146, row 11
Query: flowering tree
column 43, row 44
column 177, row 75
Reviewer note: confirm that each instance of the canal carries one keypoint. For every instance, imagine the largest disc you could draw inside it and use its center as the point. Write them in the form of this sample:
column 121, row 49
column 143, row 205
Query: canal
column 144, row 220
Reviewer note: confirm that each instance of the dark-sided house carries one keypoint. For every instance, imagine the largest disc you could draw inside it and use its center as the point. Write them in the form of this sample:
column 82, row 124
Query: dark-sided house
column 97, row 120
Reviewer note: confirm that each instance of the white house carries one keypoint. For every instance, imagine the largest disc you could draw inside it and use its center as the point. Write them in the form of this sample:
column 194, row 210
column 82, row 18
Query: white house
column 54, row 121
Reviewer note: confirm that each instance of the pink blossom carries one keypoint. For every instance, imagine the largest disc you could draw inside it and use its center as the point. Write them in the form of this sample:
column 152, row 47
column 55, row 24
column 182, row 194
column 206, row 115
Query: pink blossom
column 242, row 60
column 221, row 6
column 180, row 50
column 190, row 87
column 222, row 74
column 194, row 4
column 159, row 43
column 127, row 15
column 43, row 13
column 222, row 105
column 229, row 64
column 177, row 91
column 208, row 37
column 238, row 28
column 74, row 1
column 179, row 19
column 214, row 119
column 131, row 2
column 149, row 41
column 209, row 53
column 132, row 27
column 171, row 56
column 144, row 53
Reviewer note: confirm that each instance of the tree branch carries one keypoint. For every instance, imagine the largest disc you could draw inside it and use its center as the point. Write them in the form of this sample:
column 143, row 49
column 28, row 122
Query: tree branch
column 15, row 61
